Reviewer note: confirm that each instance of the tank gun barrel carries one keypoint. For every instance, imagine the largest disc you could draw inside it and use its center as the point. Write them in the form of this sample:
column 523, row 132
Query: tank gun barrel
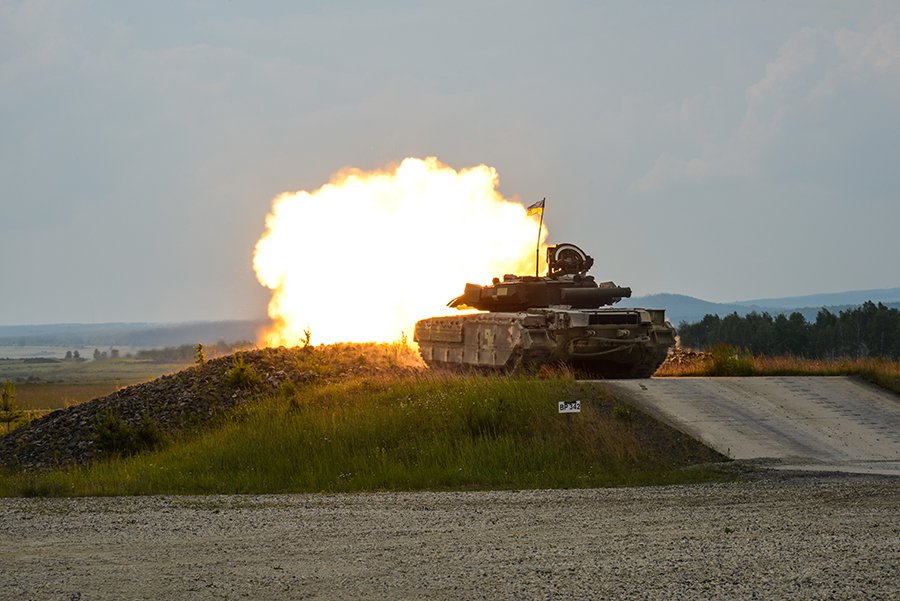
column 518, row 296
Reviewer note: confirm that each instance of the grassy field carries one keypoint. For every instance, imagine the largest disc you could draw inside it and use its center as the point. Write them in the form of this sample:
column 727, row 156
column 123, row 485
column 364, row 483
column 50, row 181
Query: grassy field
column 420, row 432
column 729, row 361
column 54, row 385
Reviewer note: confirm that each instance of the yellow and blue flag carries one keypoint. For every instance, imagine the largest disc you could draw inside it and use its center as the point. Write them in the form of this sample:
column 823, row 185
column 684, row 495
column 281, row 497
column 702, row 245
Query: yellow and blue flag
column 537, row 208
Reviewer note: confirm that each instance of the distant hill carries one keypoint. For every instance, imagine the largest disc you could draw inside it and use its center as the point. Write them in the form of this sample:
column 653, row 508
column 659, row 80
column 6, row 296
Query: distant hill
column 147, row 335
column 829, row 299
column 681, row 308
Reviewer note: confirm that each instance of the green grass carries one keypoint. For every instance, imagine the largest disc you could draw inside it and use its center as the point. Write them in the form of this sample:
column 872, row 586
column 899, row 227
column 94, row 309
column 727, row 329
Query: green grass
column 413, row 433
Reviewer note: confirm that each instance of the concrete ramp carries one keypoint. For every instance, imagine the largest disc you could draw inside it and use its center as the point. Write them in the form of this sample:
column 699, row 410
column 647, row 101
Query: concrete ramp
column 809, row 423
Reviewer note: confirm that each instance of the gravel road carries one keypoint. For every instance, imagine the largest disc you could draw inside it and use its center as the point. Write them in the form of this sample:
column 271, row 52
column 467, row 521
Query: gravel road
column 790, row 536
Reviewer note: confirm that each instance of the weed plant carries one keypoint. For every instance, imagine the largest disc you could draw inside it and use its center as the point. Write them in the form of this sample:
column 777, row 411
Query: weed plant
column 414, row 433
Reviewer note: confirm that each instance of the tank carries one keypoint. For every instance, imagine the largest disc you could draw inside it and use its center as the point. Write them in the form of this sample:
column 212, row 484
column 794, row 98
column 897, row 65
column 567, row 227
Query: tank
column 563, row 317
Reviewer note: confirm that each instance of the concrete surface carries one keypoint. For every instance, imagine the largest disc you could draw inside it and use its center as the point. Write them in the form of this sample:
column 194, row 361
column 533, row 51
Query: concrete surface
column 805, row 423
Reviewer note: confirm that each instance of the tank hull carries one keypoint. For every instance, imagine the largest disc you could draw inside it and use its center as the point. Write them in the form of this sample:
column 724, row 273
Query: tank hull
column 608, row 343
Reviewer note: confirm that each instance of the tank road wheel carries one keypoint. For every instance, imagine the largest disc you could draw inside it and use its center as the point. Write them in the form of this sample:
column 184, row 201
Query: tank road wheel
column 525, row 363
column 514, row 365
column 599, row 371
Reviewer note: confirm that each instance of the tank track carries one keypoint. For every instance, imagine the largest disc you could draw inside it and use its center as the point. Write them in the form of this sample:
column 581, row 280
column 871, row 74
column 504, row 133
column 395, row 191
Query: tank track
column 648, row 366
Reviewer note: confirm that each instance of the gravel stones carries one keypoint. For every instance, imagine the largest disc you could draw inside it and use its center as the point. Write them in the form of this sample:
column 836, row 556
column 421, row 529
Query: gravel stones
column 780, row 537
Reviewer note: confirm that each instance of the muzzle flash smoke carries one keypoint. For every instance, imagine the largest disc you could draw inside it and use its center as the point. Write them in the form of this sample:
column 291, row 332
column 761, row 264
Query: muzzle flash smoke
column 367, row 255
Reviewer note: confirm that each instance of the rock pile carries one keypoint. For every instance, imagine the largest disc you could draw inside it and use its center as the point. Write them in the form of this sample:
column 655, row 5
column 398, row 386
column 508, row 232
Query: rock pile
column 683, row 356
column 189, row 399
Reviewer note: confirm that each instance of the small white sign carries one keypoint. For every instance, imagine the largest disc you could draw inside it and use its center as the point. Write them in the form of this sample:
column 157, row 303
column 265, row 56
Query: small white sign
column 570, row 406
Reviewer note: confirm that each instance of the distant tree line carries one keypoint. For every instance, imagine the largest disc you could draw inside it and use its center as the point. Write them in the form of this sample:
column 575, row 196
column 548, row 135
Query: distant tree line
column 102, row 355
column 867, row 331
column 187, row 353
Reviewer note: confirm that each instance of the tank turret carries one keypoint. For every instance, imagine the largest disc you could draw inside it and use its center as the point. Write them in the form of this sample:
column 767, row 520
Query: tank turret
column 565, row 285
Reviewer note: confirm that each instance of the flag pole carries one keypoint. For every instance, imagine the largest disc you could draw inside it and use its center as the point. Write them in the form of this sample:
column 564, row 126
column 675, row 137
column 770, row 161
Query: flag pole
column 537, row 246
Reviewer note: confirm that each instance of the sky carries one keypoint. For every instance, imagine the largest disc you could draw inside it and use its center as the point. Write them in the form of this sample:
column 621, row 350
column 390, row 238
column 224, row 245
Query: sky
column 724, row 150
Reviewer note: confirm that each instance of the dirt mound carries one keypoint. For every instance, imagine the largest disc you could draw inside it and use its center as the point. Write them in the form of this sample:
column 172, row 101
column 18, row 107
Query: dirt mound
column 188, row 399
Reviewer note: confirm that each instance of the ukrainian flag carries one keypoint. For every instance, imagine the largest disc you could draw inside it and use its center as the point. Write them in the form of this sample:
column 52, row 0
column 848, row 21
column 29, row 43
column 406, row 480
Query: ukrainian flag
column 537, row 208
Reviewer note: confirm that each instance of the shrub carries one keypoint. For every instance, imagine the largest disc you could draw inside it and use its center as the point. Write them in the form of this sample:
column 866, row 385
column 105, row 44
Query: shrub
column 148, row 434
column 113, row 435
column 730, row 361
column 9, row 409
column 241, row 374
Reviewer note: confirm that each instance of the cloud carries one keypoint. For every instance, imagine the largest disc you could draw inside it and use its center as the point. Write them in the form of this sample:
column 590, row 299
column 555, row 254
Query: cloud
column 810, row 68
column 671, row 168
column 875, row 53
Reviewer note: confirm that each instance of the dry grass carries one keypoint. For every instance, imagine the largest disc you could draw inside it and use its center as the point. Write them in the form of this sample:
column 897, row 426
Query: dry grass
column 883, row 372
column 773, row 366
column 59, row 395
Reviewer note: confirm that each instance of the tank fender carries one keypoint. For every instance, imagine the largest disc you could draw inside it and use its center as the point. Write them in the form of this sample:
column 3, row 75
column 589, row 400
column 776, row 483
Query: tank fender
column 530, row 320
column 578, row 320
